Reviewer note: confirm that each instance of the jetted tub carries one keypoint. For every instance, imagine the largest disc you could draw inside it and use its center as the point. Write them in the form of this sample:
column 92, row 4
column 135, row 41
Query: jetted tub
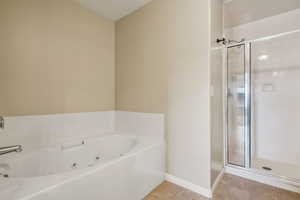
column 108, row 167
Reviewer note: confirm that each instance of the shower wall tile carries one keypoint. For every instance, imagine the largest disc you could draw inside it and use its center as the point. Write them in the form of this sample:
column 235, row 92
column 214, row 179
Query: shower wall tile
column 277, row 24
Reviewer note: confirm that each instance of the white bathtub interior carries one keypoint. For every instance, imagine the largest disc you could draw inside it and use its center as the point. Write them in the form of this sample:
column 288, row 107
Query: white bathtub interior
column 129, row 155
column 69, row 156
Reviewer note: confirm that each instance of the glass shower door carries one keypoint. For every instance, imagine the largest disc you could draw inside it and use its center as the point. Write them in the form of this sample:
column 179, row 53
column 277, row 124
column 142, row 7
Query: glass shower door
column 237, row 105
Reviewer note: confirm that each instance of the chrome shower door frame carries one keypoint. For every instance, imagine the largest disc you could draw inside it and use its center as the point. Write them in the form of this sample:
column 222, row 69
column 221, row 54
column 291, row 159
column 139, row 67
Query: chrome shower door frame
column 247, row 111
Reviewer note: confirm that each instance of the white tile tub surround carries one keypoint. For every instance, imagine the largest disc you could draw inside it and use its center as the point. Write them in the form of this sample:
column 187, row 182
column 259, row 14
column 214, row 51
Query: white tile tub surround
column 47, row 130
column 147, row 126
column 129, row 177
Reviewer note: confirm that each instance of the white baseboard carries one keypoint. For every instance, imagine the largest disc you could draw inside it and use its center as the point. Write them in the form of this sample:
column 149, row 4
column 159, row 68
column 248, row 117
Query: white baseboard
column 217, row 181
column 188, row 185
column 276, row 182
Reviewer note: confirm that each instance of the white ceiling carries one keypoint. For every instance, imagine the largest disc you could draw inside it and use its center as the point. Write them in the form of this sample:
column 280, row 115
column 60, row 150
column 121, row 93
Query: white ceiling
column 239, row 12
column 113, row 9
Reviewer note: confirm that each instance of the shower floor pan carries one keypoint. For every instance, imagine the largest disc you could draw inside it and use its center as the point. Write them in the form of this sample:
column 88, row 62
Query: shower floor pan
column 277, row 168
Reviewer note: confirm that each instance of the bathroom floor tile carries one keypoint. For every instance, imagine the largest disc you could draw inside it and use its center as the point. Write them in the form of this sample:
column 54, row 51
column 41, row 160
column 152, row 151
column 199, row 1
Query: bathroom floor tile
column 237, row 188
column 170, row 191
column 230, row 188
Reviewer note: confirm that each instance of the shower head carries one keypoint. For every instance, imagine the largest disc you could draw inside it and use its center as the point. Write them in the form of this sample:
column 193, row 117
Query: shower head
column 221, row 40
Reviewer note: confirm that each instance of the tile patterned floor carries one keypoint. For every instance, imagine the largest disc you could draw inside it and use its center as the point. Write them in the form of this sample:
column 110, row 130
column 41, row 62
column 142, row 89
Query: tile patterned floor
column 230, row 188
column 169, row 191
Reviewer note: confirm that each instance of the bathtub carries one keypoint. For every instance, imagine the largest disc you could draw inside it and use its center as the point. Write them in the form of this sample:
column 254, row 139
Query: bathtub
column 107, row 167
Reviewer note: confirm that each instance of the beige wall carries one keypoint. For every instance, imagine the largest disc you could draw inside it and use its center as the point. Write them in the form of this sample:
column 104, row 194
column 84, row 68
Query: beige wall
column 55, row 57
column 162, row 66
column 142, row 56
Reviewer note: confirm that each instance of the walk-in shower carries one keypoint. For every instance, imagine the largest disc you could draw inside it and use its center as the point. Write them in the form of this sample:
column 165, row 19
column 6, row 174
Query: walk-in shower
column 262, row 98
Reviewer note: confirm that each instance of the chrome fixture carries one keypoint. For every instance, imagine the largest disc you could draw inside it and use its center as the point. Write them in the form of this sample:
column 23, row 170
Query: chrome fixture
column 4, row 175
column 1, row 122
column 223, row 40
column 11, row 149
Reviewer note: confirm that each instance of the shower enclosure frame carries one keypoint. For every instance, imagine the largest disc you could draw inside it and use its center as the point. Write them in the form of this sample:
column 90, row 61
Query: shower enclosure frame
column 247, row 109
column 248, row 134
